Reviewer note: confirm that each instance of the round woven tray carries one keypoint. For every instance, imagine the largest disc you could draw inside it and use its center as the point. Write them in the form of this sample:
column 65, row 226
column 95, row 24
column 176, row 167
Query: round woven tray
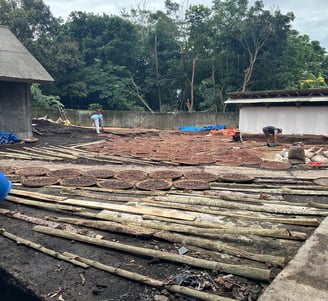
column 154, row 184
column 199, row 175
column 99, row 173
column 134, row 175
column 80, row 181
column 31, row 171
column 115, row 184
column 166, row 174
column 65, row 173
column 191, row 184
column 236, row 178
column 39, row 181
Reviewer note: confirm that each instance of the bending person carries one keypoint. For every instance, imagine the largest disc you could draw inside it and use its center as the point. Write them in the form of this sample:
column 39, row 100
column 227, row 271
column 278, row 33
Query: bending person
column 271, row 134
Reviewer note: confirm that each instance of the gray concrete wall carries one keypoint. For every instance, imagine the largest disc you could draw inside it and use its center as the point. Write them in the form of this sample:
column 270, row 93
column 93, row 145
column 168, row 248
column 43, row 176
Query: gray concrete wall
column 15, row 113
column 165, row 121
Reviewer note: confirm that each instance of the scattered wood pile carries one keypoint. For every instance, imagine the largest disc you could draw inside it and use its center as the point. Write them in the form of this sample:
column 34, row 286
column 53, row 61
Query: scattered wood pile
column 232, row 227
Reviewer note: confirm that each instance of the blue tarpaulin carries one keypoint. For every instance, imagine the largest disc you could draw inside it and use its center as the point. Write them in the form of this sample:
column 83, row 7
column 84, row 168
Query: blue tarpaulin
column 7, row 138
column 190, row 128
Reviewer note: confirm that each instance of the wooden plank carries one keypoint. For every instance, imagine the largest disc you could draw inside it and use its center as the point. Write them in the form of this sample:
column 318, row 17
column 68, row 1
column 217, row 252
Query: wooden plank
column 36, row 195
column 131, row 209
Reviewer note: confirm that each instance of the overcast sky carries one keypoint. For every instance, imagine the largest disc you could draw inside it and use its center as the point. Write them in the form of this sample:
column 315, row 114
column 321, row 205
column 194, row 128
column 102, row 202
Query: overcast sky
column 311, row 16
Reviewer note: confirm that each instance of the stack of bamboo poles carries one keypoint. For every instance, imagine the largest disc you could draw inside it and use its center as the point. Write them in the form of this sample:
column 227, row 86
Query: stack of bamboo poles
column 60, row 153
column 198, row 222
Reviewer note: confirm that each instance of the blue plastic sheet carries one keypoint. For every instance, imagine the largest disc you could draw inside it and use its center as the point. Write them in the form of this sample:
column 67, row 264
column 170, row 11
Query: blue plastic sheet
column 7, row 138
column 190, row 128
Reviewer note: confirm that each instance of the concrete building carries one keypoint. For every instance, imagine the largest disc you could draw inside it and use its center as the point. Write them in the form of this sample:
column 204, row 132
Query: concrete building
column 302, row 111
column 18, row 70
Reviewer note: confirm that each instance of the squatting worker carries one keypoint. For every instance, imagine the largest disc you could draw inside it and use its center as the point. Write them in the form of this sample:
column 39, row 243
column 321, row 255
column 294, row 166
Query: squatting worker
column 97, row 121
column 271, row 134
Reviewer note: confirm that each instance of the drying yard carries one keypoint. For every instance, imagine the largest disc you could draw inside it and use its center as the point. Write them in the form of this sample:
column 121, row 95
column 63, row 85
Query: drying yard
column 151, row 215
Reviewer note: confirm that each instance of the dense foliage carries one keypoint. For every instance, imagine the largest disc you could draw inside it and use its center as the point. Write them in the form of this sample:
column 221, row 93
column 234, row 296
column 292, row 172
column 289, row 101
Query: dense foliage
column 161, row 61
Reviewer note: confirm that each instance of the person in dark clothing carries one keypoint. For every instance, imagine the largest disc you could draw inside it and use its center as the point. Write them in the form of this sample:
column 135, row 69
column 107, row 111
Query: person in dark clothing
column 271, row 134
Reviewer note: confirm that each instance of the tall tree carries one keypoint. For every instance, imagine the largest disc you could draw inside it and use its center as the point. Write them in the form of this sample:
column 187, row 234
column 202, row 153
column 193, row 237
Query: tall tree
column 253, row 33
column 199, row 45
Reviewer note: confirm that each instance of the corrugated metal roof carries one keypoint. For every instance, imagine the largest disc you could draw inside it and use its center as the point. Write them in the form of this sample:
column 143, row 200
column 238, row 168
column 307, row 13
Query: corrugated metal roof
column 277, row 100
column 311, row 92
column 17, row 63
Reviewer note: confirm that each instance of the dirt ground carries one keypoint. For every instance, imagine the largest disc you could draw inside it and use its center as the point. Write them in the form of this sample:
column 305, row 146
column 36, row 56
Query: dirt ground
column 28, row 274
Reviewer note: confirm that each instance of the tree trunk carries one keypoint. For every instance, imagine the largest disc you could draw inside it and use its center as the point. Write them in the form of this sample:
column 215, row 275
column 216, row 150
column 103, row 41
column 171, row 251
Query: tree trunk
column 192, row 96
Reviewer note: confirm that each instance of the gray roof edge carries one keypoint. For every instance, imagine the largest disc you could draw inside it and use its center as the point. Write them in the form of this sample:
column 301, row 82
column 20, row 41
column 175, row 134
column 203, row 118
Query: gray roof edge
column 26, row 80
column 27, row 68
column 277, row 100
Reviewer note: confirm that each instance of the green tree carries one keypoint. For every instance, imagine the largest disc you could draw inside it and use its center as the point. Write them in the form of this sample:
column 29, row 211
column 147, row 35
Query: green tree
column 27, row 19
column 39, row 100
column 303, row 58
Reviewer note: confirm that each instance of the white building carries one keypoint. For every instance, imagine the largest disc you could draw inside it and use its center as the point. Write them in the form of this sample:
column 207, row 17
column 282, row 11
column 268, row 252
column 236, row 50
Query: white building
column 303, row 111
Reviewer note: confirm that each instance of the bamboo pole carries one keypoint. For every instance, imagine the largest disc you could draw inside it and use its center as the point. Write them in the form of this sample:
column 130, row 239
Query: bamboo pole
column 122, row 192
column 130, row 209
column 174, row 238
column 40, row 248
column 220, row 247
column 15, row 156
column 241, row 270
column 37, row 195
column 46, row 222
column 50, row 206
column 150, row 281
column 107, row 226
column 310, row 222
column 217, row 230
column 107, row 197
column 214, row 245
column 197, row 200
column 39, row 157
column 85, row 263
column 50, row 153
column 278, row 190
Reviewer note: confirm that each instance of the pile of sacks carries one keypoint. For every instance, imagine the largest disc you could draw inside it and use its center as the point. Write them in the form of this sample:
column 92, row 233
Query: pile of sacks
column 296, row 154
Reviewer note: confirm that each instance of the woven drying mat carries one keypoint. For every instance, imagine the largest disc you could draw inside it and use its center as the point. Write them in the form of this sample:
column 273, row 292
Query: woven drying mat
column 154, row 184
column 166, row 174
column 236, row 178
column 31, row 171
column 99, row 173
column 39, row 181
column 321, row 181
column 131, row 175
column 115, row 184
column 7, row 169
column 276, row 165
column 191, row 184
column 200, row 175
column 65, row 173
column 80, row 181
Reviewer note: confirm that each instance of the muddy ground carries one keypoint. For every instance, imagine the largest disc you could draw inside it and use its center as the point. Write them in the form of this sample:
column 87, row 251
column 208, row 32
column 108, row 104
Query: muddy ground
column 28, row 274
